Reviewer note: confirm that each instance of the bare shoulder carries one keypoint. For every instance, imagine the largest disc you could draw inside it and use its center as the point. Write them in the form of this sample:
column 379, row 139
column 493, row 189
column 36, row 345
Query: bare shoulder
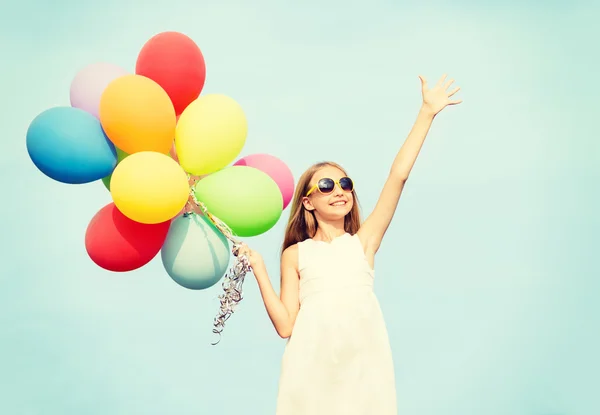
column 289, row 257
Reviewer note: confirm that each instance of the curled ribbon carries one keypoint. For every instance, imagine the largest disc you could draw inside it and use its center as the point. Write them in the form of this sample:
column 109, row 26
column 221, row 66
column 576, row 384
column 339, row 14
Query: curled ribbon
column 234, row 278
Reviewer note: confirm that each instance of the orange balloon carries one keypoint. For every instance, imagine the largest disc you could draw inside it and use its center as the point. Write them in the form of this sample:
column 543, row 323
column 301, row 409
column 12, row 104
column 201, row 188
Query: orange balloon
column 137, row 115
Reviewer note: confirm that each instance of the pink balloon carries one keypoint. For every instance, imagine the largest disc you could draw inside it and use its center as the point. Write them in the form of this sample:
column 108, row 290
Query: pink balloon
column 89, row 84
column 274, row 167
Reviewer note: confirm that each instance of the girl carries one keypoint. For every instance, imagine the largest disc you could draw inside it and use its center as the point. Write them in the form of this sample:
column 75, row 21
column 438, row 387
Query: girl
column 337, row 359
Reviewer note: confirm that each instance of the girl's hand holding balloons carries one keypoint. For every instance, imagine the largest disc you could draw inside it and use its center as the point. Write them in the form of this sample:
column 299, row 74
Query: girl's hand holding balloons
column 254, row 258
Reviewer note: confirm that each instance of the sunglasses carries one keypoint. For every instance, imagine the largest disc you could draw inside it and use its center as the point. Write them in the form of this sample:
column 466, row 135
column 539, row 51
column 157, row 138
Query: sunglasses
column 326, row 185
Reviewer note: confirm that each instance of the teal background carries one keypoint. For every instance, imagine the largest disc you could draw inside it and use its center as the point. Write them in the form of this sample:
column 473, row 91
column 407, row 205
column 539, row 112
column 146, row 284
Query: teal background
column 488, row 277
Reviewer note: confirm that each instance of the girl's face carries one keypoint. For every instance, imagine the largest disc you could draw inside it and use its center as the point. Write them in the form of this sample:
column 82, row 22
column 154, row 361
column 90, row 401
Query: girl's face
column 330, row 194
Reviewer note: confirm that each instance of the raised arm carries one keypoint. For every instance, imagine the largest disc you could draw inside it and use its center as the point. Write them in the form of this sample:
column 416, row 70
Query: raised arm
column 283, row 309
column 434, row 100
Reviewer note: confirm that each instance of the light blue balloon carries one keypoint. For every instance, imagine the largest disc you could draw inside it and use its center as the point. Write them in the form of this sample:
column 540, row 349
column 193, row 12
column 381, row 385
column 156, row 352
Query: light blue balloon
column 195, row 254
column 69, row 145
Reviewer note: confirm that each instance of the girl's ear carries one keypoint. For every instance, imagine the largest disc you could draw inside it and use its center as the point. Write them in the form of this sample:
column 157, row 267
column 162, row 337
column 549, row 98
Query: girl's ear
column 307, row 204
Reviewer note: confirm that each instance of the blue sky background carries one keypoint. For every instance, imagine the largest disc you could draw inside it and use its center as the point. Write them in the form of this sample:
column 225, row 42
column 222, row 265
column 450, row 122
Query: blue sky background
column 487, row 277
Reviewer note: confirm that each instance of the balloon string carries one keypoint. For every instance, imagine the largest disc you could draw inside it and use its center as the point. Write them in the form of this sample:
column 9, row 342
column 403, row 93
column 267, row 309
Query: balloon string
column 234, row 278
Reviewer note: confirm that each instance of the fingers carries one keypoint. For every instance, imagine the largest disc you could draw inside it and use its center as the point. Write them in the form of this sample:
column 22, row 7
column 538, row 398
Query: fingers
column 441, row 81
column 454, row 91
column 242, row 250
column 444, row 85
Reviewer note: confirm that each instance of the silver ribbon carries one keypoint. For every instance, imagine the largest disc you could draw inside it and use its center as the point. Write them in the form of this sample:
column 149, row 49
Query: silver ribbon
column 234, row 278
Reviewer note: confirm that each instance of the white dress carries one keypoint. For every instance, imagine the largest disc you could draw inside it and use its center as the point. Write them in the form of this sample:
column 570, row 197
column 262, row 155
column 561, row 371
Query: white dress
column 338, row 359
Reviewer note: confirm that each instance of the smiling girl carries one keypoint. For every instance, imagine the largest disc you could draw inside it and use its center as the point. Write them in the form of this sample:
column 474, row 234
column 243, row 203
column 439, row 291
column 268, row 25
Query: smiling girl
column 338, row 358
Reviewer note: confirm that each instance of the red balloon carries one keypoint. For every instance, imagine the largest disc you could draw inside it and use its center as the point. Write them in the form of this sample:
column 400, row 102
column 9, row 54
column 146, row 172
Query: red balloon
column 116, row 243
column 175, row 62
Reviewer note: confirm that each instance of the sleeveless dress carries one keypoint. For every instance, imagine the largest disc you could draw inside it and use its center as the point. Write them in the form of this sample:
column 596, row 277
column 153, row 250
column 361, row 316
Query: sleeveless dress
column 338, row 359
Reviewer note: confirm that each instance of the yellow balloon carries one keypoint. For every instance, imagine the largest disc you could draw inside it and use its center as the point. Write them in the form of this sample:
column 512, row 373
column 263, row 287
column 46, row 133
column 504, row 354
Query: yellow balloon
column 149, row 187
column 210, row 134
column 137, row 115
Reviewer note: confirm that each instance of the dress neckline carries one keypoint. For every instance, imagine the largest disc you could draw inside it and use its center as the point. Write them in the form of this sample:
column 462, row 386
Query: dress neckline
column 330, row 242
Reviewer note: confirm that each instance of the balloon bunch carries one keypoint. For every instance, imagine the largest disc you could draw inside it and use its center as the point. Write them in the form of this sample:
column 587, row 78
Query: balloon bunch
column 165, row 153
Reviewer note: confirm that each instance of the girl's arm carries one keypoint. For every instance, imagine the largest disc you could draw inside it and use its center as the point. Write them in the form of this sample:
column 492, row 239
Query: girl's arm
column 282, row 310
column 434, row 100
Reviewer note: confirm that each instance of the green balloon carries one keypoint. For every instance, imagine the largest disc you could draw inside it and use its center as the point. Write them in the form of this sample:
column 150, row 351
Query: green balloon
column 245, row 198
column 120, row 156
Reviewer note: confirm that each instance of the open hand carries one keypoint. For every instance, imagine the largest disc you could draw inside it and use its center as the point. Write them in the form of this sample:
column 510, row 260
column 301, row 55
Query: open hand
column 437, row 98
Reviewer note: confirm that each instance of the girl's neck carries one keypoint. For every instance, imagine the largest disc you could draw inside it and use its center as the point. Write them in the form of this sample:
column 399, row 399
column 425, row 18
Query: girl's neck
column 328, row 231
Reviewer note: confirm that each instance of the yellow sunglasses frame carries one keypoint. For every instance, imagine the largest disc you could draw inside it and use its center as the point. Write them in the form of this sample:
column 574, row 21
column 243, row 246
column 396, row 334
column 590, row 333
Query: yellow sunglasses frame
column 335, row 183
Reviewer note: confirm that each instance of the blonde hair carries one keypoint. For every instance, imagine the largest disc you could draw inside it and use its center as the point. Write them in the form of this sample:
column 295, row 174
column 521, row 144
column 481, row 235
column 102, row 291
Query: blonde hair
column 302, row 223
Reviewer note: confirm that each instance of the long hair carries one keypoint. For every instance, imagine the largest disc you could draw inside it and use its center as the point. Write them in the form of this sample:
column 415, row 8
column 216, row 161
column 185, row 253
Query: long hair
column 302, row 223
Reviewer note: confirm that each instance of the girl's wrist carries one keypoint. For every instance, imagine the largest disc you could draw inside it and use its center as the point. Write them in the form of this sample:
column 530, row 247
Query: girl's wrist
column 426, row 111
column 259, row 271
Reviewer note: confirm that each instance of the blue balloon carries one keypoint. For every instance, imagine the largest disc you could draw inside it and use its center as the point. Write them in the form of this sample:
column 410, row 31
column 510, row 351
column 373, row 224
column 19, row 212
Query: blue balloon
column 195, row 254
column 69, row 145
